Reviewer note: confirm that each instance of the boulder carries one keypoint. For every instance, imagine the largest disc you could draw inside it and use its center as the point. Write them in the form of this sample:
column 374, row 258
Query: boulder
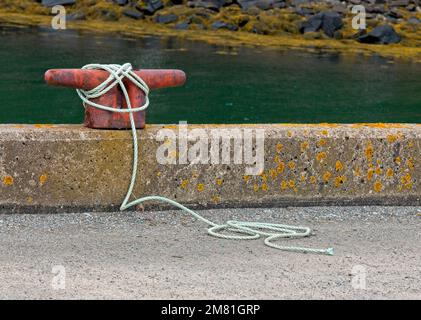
column 328, row 21
column 52, row 3
column 261, row 4
column 223, row 25
column 76, row 16
column 384, row 34
column 168, row 18
column 121, row 2
column 133, row 13
column 214, row 5
column 182, row 25
column 149, row 7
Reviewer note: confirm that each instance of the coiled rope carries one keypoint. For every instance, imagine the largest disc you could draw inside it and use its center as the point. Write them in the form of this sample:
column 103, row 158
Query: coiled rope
column 239, row 230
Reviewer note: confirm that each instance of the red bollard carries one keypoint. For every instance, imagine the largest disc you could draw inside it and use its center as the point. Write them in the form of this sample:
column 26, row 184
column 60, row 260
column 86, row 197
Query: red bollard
column 89, row 79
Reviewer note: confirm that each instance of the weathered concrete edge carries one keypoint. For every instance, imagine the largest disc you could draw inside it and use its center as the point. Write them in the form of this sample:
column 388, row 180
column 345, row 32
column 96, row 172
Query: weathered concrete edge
column 58, row 168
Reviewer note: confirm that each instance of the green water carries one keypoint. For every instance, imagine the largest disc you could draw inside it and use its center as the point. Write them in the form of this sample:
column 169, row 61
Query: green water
column 244, row 86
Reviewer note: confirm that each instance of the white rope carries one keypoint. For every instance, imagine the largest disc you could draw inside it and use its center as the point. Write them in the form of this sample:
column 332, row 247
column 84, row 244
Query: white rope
column 239, row 230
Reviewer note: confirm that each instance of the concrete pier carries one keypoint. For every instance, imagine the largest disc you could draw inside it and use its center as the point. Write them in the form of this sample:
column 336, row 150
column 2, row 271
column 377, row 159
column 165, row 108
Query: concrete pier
column 68, row 168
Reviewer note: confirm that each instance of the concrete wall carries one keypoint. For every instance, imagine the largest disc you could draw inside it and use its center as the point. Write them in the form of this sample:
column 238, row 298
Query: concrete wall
column 62, row 168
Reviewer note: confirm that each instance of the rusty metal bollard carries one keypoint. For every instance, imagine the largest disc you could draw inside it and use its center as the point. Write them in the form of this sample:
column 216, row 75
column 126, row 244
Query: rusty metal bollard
column 89, row 79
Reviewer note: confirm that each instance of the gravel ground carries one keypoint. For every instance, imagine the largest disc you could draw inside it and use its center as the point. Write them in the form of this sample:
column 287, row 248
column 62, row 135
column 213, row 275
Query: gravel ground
column 159, row 255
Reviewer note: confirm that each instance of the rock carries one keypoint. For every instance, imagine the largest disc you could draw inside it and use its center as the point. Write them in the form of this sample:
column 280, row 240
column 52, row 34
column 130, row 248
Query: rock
column 384, row 34
column 121, row 2
column 182, row 26
column 106, row 14
column 398, row 3
column 332, row 22
column 223, row 25
column 76, row 16
column 133, row 13
column 149, row 7
column 413, row 20
column 214, row 5
column 394, row 13
column 168, row 18
column 261, row 4
column 328, row 21
column 51, row 3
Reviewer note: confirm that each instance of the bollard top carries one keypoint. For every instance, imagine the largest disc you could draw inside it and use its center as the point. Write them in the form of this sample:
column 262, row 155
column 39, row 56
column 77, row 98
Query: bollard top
column 89, row 79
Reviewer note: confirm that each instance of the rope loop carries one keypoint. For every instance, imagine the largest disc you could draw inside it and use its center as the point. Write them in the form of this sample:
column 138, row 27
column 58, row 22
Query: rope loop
column 237, row 230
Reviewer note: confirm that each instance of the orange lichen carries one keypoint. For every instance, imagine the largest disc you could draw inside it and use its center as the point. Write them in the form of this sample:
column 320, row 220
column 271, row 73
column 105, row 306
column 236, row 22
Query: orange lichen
column 281, row 167
column 313, row 179
column 255, row 187
column 369, row 152
column 378, row 171
column 339, row 166
column 304, row 146
column 357, row 172
column 273, row 173
column 264, row 187
column 407, row 180
column 219, row 181
column 391, row 138
column 370, row 173
column 200, row 187
column 8, row 180
column 320, row 156
column 378, row 186
column 184, row 183
column 42, row 179
column 246, row 178
column 398, row 160
column 279, row 147
column 291, row 165
column 321, row 142
column 326, row 176
column 284, row 185
column 389, row 172
column 340, row 180
column 410, row 163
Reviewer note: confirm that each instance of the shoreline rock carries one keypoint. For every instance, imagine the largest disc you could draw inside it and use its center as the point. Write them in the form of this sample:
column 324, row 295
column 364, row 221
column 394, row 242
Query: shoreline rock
column 312, row 19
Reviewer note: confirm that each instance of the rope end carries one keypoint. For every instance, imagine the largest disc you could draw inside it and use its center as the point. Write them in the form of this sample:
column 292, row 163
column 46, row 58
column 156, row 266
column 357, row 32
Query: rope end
column 329, row 251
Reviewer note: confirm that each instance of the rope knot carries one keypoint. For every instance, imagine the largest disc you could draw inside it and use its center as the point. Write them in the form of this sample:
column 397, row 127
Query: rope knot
column 117, row 74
